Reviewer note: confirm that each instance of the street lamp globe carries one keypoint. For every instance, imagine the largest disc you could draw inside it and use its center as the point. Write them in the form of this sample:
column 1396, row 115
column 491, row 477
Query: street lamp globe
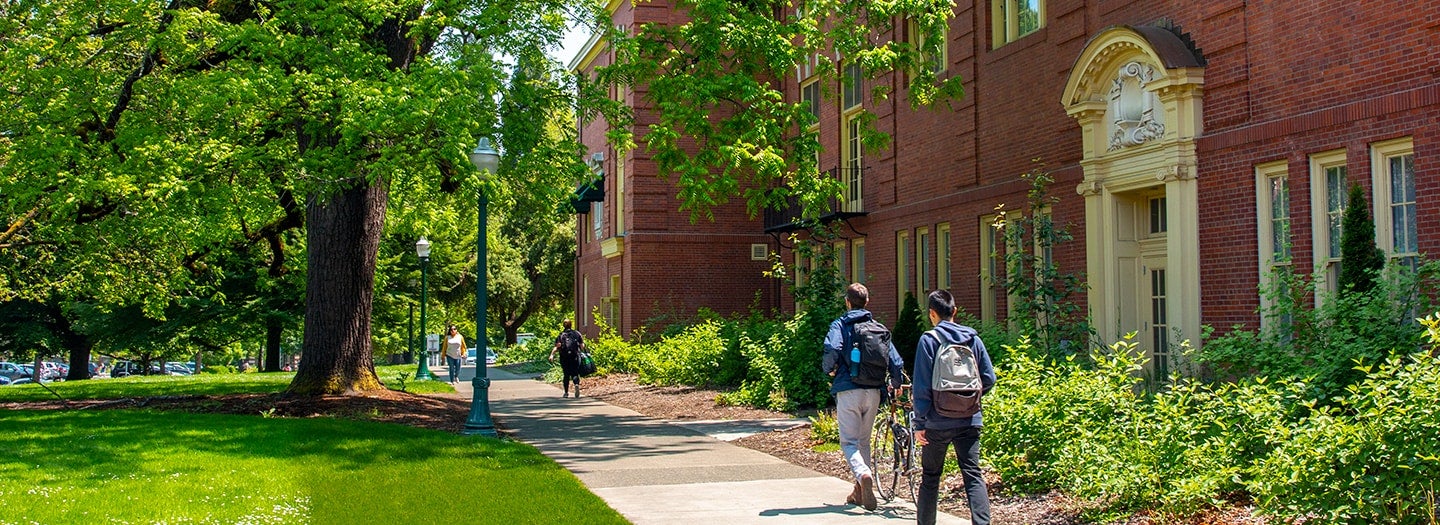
column 422, row 248
column 485, row 158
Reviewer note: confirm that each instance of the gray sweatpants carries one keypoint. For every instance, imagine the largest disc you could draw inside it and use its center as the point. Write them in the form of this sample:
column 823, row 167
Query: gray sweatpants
column 855, row 413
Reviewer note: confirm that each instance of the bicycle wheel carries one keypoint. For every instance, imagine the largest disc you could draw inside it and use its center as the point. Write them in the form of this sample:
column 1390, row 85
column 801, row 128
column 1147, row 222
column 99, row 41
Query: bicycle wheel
column 908, row 456
column 887, row 467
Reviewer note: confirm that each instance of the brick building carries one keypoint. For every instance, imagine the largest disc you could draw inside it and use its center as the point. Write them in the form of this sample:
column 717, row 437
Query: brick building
column 1195, row 146
column 640, row 260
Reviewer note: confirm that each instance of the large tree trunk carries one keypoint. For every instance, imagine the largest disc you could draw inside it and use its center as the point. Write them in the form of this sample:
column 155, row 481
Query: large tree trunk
column 343, row 237
column 273, row 331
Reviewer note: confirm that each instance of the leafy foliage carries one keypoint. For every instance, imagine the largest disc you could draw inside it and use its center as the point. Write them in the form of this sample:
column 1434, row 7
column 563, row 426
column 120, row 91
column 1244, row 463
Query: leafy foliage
column 1322, row 345
column 1043, row 295
column 908, row 329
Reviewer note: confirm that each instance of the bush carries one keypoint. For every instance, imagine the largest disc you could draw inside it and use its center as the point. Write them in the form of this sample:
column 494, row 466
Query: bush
column 217, row 369
column 824, row 428
column 784, row 366
column 1322, row 345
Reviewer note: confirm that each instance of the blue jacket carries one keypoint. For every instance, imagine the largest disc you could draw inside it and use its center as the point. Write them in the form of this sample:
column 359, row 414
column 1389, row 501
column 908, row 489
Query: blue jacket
column 836, row 361
column 925, row 415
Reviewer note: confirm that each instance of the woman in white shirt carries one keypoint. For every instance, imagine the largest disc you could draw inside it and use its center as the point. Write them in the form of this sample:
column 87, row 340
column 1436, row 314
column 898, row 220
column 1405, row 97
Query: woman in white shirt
column 454, row 353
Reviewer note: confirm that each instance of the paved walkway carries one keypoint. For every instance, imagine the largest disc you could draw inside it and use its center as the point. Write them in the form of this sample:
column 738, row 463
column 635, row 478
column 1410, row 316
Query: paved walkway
column 654, row 472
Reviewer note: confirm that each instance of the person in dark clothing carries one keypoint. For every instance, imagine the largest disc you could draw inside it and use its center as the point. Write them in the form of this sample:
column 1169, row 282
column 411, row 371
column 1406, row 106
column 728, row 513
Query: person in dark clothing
column 568, row 346
column 936, row 432
column 855, row 405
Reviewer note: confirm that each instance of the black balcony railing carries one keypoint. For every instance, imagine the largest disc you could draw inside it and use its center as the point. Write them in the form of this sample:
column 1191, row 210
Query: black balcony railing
column 849, row 205
column 586, row 193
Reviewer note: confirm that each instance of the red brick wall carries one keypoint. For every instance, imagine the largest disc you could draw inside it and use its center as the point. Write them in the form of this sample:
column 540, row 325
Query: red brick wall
column 1283, row 80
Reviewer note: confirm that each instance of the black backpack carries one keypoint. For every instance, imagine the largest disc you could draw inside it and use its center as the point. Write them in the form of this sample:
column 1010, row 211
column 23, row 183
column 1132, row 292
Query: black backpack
column 872, row 340
column 571, row 344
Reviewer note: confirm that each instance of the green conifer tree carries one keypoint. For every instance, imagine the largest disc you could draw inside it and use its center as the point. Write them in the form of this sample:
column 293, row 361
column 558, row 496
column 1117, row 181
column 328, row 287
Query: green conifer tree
column 1360, row 260
column 908, row 329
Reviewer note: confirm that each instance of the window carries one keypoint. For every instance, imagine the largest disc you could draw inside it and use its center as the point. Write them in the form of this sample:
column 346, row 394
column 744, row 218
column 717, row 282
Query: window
column 991, row 268
column 842, row 263
column 942, row 256
column 902, row 264
column 1159, row 326
column 584, row 312
column 1159, row 221
column 935, row 60
column 922, row 262
column 857, row 260
column 620, row 192
column 851, row 149
column 1328, row 192
column 810, row 98
column 1012, row 19
column 597, row 219
column 610, row 305
column 1396, row 228
column 1272, row 204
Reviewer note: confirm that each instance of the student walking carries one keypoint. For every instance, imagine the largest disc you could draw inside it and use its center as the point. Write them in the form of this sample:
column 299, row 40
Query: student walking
column 454, row 352
column 569, row 345
column 952, row 374
column 859, row 357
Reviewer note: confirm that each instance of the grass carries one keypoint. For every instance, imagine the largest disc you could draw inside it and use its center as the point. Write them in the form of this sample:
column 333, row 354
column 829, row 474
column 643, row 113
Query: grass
column 139, row 466
column 200, row 384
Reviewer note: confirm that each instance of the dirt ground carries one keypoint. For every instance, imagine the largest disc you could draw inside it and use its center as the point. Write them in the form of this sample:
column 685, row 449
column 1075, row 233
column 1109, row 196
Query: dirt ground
column 448, row 412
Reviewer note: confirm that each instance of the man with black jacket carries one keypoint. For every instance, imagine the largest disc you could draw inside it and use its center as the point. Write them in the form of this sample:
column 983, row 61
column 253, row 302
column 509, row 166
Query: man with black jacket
column 936, row 432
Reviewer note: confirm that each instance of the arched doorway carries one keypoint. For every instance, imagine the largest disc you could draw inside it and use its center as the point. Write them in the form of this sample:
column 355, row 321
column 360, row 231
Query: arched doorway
column 1136, row 94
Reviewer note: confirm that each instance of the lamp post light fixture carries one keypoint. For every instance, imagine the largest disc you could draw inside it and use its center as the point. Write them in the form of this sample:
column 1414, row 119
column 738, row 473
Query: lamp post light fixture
column 422, row 248
column 485, row 159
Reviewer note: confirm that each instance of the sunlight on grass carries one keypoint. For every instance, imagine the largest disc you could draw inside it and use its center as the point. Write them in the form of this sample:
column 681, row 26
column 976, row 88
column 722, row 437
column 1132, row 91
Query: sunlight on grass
column 127, row 466
column 199, row 385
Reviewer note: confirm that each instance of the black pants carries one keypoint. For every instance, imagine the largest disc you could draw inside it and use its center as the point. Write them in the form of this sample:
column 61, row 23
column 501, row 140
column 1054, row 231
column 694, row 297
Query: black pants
column 932, row 465
column 572, row 377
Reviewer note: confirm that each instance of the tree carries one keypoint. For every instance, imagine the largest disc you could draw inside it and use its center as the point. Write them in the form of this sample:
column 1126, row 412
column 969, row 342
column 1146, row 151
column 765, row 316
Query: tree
column 174, row 118
column 717, row 82
column 908, row 328
column 1360, row 260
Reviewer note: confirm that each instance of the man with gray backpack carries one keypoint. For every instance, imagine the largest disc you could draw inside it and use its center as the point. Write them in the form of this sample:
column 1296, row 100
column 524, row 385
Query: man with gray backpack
column 861, row 361
column 952, row 375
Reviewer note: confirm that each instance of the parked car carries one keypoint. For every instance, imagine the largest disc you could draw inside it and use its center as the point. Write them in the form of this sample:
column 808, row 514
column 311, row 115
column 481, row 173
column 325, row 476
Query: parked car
column 47, row 373
column 12, row 371
column 490, row 356
column 4, row 380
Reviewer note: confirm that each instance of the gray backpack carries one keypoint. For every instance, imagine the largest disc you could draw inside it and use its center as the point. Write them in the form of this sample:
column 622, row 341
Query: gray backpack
column 955, row 383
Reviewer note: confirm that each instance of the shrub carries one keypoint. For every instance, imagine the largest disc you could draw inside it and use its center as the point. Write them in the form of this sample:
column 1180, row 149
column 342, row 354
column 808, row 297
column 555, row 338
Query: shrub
column 784, row 366
column 1322, row 345
column 908, row 328
column 824, row 428
column 217, row 369
column 1373, row 457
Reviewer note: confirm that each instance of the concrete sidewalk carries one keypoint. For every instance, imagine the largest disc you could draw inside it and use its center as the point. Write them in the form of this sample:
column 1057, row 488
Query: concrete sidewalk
column 654, row 472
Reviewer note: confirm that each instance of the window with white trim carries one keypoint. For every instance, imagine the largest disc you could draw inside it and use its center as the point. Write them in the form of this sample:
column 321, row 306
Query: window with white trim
column 902, row 263
column 942, row 255
column 851, row 148
column 1329, row 190
column 857, row 260
column 992, row 267
column 934, row 59
column 1396, row 228
column 1272, row 207
column 922, row 262
column 1012, row 19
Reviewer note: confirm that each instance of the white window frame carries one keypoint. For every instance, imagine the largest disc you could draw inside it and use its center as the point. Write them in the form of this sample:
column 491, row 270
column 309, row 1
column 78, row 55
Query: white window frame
column 1265, row 174
column 1326, row 267
column 991, row 242
column 942, row 256
column 1005, row 28
column 857, row 260
column 902, row 264
column 1381, row 197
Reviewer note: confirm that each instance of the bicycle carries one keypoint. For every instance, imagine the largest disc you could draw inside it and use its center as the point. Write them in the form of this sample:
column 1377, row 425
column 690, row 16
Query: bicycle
column 892, row 447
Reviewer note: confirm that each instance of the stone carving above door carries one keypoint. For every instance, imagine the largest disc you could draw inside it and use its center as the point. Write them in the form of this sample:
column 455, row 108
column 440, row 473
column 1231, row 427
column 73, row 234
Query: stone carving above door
column 1131, row 108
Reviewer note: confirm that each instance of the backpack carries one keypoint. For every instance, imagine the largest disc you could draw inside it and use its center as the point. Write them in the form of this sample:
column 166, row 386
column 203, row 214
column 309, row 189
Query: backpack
column 955, row 383
column 571, row 344
column 872, row 340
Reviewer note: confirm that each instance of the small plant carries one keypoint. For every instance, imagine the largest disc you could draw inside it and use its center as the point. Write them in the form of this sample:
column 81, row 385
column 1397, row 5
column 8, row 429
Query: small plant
column 268, row 413
column 402, row 378
column 824, row 428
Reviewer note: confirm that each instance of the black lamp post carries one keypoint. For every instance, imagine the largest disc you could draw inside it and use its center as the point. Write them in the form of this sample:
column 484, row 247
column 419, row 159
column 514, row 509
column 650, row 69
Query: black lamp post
column 485, row 159
column 422, row 248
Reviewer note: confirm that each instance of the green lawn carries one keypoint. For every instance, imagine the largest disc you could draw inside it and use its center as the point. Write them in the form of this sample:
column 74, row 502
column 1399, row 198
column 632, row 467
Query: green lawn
column 200, row 384
column 138, row 466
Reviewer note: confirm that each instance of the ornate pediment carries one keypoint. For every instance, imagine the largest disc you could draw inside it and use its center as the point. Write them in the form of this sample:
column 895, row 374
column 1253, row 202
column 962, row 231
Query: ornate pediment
column 1131, row 110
